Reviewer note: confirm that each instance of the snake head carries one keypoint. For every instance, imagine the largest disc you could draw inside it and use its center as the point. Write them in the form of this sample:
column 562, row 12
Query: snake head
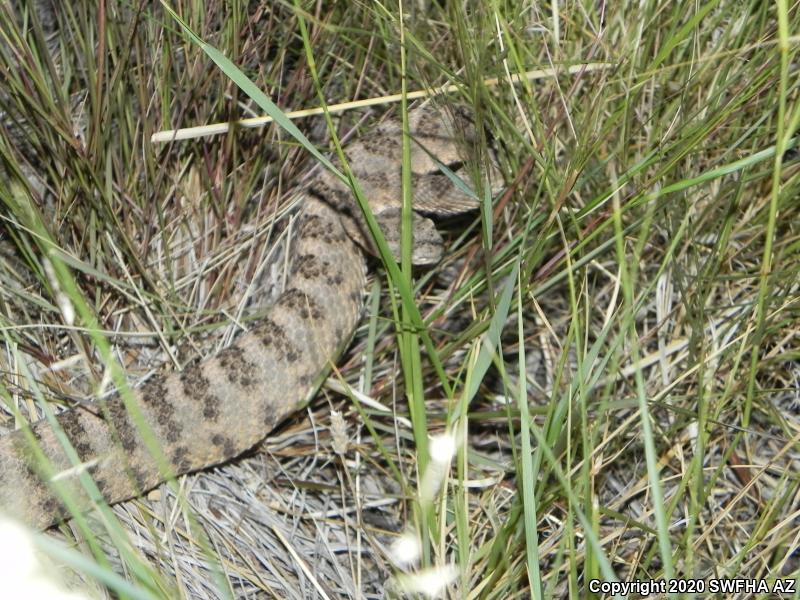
column 439, row 179
column 428, row 244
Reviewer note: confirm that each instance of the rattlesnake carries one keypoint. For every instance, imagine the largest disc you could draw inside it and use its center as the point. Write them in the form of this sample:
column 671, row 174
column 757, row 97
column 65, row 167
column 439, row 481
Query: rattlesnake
column 216, row 409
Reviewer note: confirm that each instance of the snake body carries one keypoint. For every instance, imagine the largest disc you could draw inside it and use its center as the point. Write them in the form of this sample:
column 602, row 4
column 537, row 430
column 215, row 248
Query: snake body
column 218, row 408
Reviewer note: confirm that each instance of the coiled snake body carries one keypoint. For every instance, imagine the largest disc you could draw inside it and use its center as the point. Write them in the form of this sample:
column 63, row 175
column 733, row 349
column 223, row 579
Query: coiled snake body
column 218, row 408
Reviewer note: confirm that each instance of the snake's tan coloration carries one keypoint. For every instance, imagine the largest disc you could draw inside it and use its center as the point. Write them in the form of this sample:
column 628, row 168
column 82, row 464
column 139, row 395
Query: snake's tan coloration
column 216, row 409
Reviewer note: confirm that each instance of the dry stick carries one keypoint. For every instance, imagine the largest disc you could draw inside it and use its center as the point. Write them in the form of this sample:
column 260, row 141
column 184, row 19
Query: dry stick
column 188, row 133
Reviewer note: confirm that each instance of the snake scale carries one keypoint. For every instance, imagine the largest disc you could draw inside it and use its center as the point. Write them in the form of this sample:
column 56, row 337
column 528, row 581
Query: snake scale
column 217, row 408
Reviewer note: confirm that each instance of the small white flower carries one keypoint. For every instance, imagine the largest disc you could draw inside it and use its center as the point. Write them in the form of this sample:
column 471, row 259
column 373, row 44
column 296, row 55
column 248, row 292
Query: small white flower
column 63, row 301
column 442, row 448
column 429, row 582
column 16, row 552
column 406, row 550
column 23, row 573
column 692, row 431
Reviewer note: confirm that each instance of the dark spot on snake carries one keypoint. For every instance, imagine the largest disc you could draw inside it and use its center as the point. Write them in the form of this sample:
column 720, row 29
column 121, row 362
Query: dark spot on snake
column 269, row 419
column 50, row 505
column 273, row 337
column 102, row 485
column 26, row 457
column 237, row 368
column 70, row 423
column 380, row 145
column 292, row 356
column 118, row 417
column 270, row 333
column 196, row 387
column 306, row 306
column 334, row 279
column 140, row 479
column 225, row 443
column 376, row 180
column 154, row 397
column 309, row 266
column 180, row 459
column 317, row 228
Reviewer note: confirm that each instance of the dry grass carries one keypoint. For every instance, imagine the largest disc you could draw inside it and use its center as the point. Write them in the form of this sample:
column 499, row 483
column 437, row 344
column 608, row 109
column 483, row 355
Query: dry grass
column 613, row 343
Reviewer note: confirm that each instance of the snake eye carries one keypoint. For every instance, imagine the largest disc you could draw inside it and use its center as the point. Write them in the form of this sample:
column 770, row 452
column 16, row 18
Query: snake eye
column 455, row 165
